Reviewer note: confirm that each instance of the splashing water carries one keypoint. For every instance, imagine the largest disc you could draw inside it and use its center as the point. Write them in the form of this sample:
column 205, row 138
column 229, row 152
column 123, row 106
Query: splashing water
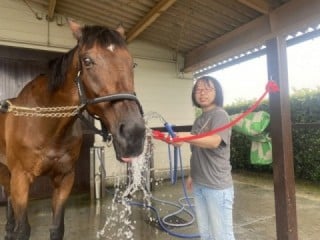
column 118, row 224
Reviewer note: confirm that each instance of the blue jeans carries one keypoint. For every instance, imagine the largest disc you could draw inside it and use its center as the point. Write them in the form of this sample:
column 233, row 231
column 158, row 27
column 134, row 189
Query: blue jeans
column 214, row 212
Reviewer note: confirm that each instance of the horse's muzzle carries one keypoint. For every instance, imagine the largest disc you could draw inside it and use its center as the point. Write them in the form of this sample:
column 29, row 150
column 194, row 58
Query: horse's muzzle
column 129, row 139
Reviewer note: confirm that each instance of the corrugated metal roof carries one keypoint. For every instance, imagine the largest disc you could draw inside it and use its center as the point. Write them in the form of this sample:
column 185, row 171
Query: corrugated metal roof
column 190, row 27
column 182, row 25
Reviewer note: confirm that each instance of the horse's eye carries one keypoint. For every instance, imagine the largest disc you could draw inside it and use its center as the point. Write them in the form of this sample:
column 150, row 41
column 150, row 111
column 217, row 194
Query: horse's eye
column 87, row 61
column 134, row 65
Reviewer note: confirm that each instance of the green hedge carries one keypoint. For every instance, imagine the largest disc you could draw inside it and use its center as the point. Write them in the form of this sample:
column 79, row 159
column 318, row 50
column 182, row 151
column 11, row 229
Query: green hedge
column 305, row 108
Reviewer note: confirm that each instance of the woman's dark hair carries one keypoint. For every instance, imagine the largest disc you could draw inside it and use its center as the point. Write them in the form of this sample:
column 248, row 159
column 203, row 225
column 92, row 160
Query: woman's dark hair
column 210, row 82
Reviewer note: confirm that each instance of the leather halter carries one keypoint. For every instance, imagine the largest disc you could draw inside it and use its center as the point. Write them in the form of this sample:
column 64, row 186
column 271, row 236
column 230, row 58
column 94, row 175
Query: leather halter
column 84, row 101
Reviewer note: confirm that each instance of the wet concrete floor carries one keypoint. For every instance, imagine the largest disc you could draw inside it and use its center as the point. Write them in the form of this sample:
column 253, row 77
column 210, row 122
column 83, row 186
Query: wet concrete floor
column 254, row 215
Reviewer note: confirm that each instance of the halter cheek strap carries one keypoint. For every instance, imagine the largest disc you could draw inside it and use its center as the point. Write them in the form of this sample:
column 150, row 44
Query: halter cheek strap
column 82, row 96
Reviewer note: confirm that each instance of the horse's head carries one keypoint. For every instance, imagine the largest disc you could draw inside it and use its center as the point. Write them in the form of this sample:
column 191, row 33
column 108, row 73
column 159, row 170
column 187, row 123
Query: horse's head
column 106, row 68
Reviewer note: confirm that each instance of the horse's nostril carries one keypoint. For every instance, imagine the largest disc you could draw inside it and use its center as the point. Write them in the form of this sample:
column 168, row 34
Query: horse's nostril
column 130, row 130
column 121, row 129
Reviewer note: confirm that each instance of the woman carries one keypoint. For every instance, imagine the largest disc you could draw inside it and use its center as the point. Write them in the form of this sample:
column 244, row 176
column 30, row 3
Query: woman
column 211, row 178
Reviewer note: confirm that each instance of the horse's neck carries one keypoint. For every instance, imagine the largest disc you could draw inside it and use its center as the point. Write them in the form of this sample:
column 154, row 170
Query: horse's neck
column 68, row 95
column 70, row 87
column 69, row 90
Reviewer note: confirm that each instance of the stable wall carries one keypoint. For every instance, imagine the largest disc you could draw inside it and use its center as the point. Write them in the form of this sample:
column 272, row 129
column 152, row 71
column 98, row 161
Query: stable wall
column 20, row 27
column 159, row 85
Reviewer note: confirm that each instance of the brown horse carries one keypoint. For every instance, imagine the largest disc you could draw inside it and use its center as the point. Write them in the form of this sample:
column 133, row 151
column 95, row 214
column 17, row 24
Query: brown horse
column 40, row 133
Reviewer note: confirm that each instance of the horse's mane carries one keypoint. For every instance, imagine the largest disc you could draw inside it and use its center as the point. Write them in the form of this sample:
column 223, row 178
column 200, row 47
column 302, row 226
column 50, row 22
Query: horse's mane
column 58, row 68
column 101, row 35
column 91, row 35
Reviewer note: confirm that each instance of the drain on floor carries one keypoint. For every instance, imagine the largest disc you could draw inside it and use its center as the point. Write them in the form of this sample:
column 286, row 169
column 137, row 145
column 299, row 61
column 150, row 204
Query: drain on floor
column 170, row 220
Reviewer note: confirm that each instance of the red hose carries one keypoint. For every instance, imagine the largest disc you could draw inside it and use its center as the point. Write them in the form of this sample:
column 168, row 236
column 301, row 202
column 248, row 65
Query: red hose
column 270, row 87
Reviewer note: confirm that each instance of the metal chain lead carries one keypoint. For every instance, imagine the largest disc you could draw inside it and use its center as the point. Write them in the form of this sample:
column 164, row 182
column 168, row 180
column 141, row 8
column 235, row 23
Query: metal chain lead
column 49, row 112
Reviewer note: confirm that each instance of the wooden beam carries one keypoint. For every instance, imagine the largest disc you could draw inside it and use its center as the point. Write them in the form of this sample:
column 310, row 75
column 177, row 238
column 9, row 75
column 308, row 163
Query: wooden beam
column 282, row 153
column 148, row 19
column 51, row 8
column 281, row 21
column 260, row 6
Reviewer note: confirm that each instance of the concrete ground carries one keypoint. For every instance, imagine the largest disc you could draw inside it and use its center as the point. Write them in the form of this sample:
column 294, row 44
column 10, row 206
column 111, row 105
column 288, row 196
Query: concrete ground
column 254, row 215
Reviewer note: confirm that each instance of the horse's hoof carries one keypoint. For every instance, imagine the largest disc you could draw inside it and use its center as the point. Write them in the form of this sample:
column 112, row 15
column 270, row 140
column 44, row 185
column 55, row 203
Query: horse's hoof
column 23, row 233
column 55, row 234
column 22, row 237
column 9, row 236
column 12, row 236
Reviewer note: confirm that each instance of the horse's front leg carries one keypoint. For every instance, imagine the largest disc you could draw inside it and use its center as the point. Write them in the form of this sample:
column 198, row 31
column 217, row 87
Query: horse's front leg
column 62, row 188
column 20, row 185
column 5, row 182
column 10, row 221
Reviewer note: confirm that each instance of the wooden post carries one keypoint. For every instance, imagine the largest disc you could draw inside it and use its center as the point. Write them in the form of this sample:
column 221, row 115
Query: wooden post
column 280, row 126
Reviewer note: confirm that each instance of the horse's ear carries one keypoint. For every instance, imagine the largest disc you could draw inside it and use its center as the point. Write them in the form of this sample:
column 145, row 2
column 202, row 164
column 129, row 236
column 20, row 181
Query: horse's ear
column 120, row 29
column 76, row 28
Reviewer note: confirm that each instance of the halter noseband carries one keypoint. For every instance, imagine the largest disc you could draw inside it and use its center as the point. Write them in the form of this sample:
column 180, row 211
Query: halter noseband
column 84, row 101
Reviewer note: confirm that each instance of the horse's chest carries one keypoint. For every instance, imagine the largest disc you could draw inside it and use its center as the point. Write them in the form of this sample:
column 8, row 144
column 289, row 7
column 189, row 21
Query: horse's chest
column 55, row 161
column 60, row 159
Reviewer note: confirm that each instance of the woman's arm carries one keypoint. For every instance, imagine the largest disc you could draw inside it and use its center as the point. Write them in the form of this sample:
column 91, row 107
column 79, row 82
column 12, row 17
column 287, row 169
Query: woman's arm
column 212, row 141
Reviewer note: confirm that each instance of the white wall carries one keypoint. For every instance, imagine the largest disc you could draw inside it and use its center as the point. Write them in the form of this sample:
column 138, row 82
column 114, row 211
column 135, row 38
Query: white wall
column 20, row 27
column 159, row 85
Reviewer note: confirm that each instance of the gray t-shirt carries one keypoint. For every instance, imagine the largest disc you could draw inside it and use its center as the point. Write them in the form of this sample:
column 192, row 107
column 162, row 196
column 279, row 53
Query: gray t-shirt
column 211, row 167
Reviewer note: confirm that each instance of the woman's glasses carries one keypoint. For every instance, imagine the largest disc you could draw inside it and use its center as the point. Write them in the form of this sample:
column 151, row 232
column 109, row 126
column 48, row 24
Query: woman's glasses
column 204, row 90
